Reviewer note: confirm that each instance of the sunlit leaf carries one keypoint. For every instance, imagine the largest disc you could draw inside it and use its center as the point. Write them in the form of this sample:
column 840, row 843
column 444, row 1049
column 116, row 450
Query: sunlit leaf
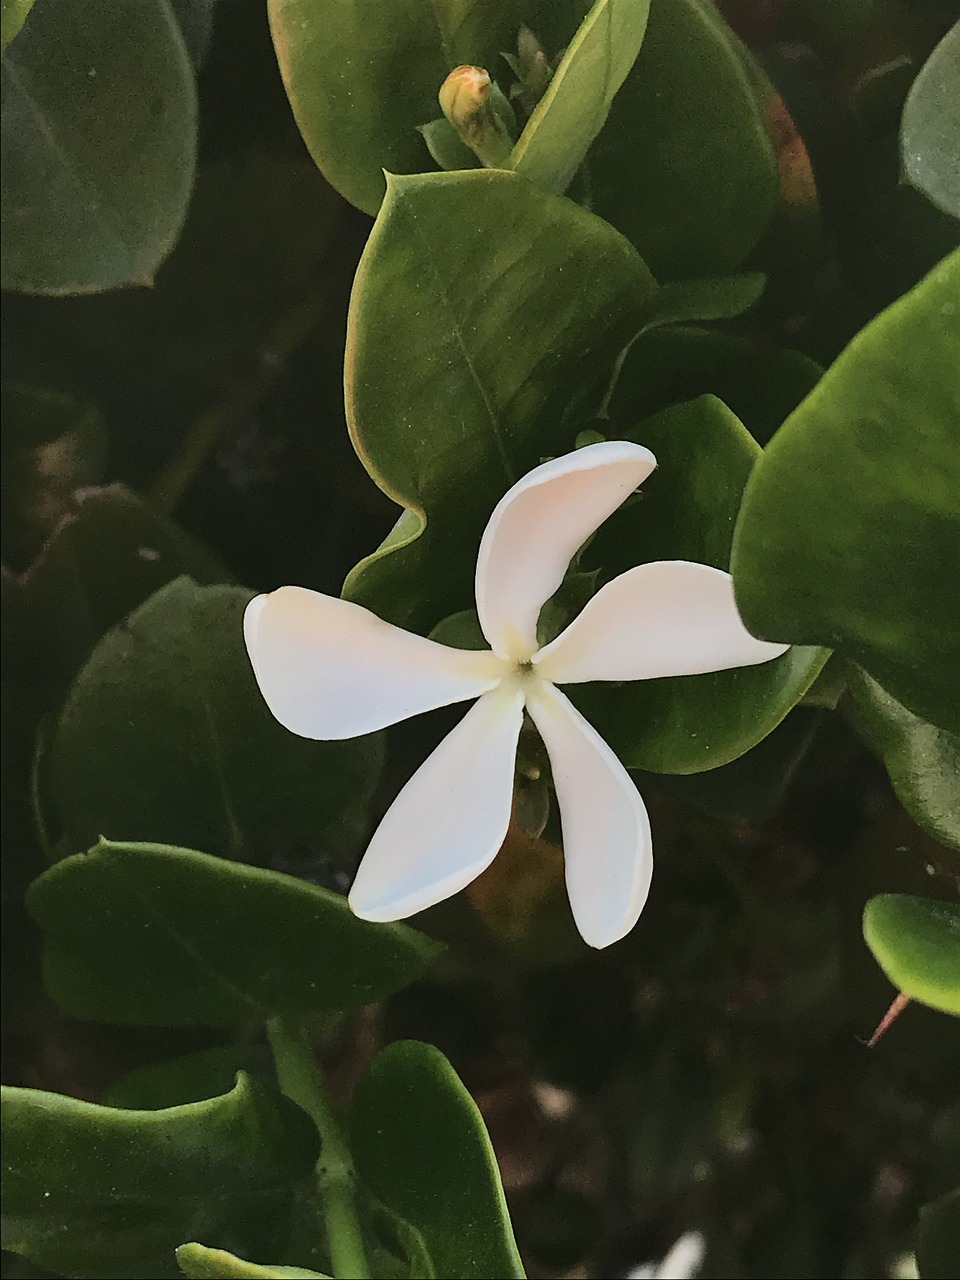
column 916, row 942
column 845, row 522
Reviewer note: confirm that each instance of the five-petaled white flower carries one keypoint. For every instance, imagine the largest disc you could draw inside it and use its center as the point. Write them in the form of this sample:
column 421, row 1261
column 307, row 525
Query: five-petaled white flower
column 331, row 669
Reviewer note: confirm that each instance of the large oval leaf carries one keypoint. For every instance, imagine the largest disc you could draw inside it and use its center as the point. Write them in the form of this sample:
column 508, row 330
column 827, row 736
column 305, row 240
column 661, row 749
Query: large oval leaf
column 930, row 130
column 164, row 736
column 577, row 102
column 687, row 512
column 152, row 936
column 850, row 522
column 685, row 167
column 916, row 942
column 99, row 138
column 95, row 1191
column 414, row 1130
column 485, row 312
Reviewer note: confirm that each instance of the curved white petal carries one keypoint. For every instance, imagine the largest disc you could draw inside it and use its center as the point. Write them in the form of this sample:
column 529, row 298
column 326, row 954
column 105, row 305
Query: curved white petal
column 330, row 669
column 449, row 821
column 538, row 527
column 668, row 618
column 608, row 851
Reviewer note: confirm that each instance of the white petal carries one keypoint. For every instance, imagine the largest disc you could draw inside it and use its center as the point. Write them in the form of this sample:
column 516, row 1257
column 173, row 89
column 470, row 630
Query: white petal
column 330, row 669
column 608, row 851
column 538, row 527
column 449, row 821
column 669, row 618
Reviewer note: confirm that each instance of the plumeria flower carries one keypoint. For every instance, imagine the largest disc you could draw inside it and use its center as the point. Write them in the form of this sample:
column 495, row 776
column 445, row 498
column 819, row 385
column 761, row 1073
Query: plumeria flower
column 330, row 669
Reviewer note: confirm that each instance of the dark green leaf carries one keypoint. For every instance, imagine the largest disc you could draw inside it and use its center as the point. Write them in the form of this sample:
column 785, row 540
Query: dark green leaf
column 930, row 130
column 686, row 511
column 13, row 14
column 762, row 384
column 922, row 760
column 684, row 166
column 165, row 736
column 154, row 936
column 189, row 1078
column 482, row 273
column 99, row 136
column 93, row 1191
column 916, row 942
column 201, row 1263
column 577, row 102
column 938, row 1249
column 718, row 299
column 420, row 1145
column 847, row 523
column 196, row 24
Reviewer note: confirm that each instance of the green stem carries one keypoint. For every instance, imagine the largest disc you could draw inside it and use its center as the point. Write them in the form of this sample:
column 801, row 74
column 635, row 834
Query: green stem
column 301, row 1080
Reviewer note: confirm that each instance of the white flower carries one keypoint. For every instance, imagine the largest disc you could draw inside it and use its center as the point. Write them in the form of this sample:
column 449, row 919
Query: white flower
column 331, row 669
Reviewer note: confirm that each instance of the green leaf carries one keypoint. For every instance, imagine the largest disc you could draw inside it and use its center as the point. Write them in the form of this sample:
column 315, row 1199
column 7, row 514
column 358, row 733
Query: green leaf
column 99, row 138
column 717, row 299
column 684, row 166
column 196, row 24
column 414, row 1130
column 189, row 1078
column 152, row 936
column 845, row 531
column 938, row 1249
column 916, row 942
column 52, row 445
column 686, row 511
column 446, row 420
column 577, row 102
column 13, row 14
column 923, row 761
column 930, row 128
column 201, row 1263
column 762, row 384
column 359, row 89
column 94, row 1191
column 164, row 736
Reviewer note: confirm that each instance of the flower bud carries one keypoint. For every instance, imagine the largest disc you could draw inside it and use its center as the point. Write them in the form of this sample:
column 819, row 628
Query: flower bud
column 466, row 101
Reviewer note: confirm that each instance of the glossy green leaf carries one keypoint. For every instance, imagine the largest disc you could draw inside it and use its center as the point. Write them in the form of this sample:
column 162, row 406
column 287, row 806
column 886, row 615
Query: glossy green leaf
column 923, row 761
column 930, row 129
column 164, row 736
column 684, row 166
column 99, row 138
column 762, row 384
column 916, row 942
column 201, row 1263
column 52, row 445
column 415, row 1130
column 13, row 14
column 577, row 102
column 687, row 511
column 847, row 525
column 938, row 1247
column 482, row 273
column 94, row 1191
column 154, row 936
column 360, row 88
